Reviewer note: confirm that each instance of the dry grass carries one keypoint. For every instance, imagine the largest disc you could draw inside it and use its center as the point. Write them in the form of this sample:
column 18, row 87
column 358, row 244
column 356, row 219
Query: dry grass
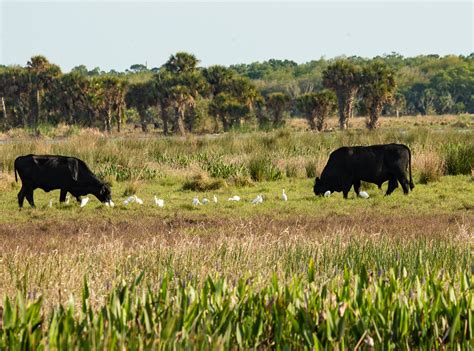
column 429, row 165
column 442, row 121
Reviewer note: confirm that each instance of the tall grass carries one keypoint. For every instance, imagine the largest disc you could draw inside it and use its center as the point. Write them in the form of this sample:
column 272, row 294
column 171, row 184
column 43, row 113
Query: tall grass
column 261, row 168
column 261, row 155
column 430, row 166
column 459, row 158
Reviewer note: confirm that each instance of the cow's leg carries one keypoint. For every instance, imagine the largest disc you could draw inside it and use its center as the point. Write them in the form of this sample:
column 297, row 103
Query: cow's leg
column 29, row 197
column 357, row 187
column 62, row 195
column 78, row 198
column 21, row 197
column 404, row 183
column 346, row 188
column 392, row 185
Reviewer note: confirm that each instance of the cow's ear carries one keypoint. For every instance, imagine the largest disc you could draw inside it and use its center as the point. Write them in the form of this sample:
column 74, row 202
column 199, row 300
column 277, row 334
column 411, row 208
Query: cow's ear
column 74, row 169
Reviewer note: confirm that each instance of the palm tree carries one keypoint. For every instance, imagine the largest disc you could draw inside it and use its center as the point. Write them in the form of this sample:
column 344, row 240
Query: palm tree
column 181, row 62
column 344, row 78
column 179, row 84
column 316, row 107
column 228, row 109
column 141, row 96
column 233, row 96
column 277, row 103
column 377, row 90
column 218, row 78
column 15, row 89
column 182, row 98
column 109, row 97
column 42, row 73
column 162, row 83
column 68, row 99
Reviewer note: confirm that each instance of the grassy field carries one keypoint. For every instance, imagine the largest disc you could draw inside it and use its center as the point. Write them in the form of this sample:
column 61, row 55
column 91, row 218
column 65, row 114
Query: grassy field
column 393, row 272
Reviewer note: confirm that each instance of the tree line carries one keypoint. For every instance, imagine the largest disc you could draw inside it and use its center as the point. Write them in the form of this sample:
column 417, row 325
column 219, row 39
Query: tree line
column 179, row 95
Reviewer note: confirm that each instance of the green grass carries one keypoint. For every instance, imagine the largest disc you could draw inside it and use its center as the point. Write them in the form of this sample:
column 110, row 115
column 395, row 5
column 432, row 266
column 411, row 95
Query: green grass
column 448, row 195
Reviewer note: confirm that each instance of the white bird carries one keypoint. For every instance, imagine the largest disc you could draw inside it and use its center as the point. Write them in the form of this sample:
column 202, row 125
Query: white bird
column 50, row 204
column 215, row 199
column 205, row 201
column 327, row 193
column 234, row 198
column 258, row 200
column 196, row 202
column 67, row 199
column 129, row 200
column 364, row 194
column 283, row 196
column 84, row 201
column 159, row 202
column 138, row 200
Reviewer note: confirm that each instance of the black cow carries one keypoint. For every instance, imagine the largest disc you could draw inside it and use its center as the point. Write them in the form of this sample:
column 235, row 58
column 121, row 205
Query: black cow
column 49, row 172
column 348, row 166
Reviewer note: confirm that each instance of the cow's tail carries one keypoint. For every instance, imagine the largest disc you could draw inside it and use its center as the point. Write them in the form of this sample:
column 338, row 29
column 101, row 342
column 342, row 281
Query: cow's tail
column 14, row 169
column 412, row 185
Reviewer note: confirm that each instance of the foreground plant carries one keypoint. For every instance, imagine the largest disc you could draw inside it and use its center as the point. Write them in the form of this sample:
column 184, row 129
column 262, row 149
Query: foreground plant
column 384, row 310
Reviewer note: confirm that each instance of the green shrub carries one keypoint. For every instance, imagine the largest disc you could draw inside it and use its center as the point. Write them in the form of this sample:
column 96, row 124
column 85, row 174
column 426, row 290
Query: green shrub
column 459, row 158
column 241, row 180
column 310, row 168
column 291, row 170
column 261, row 168
column 130, row 189
column 218, row 169
column 202, row 182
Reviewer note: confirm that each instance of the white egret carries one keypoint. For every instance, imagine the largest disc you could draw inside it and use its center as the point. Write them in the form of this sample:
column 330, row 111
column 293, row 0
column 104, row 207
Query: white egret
column 50, row 204
column 234, row 198
column 196, row 202
column 258, row 200
column 67, row 199
column 364, row 194
column 159, row 202
column 84, row 201
column 283, row 196
column 138, row 200
column 327, row 193
column 215, row 199
column 205, row 201
column 129, row 200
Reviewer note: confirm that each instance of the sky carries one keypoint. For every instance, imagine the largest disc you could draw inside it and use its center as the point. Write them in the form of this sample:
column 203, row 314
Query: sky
column 117, row 34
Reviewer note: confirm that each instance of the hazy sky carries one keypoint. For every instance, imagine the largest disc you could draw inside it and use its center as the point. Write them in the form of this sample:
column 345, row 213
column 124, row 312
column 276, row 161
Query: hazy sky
column 115, row 35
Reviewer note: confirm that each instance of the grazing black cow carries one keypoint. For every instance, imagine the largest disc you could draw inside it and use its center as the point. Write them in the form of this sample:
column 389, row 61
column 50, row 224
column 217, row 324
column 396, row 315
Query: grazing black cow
column 50, row 172
column 348, row 166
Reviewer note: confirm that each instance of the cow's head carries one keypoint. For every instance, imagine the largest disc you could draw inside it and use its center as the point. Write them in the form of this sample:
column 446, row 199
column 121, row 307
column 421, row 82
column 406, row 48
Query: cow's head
column 319, row 187
column 104, row 195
